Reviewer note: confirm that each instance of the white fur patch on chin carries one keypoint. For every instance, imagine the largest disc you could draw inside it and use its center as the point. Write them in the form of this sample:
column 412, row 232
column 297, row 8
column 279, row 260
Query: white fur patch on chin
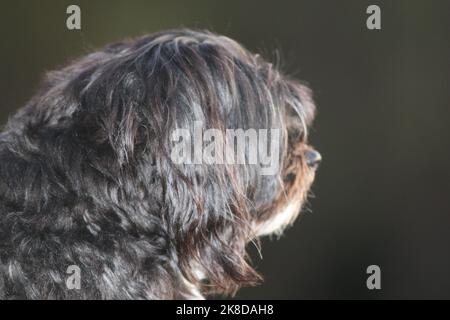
column 281, row 220
column 194, row 292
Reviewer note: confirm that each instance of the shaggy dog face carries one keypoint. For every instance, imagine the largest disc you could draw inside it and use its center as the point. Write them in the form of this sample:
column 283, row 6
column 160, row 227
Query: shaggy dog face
column 86, row 177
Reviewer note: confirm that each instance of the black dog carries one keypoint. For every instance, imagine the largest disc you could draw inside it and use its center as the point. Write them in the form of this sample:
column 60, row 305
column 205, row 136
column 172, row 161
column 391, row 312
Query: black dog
column 87, row 178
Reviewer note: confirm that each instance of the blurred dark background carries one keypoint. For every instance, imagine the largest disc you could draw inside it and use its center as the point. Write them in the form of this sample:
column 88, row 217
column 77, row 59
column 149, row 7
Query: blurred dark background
column 382, row 193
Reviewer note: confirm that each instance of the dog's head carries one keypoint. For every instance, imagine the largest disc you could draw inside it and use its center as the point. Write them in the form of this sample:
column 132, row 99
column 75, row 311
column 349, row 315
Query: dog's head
column 119, row 108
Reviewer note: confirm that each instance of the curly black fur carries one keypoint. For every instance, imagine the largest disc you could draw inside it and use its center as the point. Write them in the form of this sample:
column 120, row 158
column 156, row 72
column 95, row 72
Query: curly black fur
column 86, row 178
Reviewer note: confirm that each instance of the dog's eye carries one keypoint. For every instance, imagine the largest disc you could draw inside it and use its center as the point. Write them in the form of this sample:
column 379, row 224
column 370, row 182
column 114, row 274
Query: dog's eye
column 289, row 178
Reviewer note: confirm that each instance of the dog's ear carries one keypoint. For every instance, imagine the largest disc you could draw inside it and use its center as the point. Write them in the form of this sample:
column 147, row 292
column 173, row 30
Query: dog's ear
column 212, row 228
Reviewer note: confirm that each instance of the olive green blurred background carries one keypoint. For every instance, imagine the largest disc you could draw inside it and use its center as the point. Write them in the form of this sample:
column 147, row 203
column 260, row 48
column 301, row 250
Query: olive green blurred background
column 382, row 193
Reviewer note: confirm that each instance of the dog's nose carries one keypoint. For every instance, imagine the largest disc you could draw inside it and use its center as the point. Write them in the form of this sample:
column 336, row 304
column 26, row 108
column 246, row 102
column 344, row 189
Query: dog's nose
column 313, row 158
